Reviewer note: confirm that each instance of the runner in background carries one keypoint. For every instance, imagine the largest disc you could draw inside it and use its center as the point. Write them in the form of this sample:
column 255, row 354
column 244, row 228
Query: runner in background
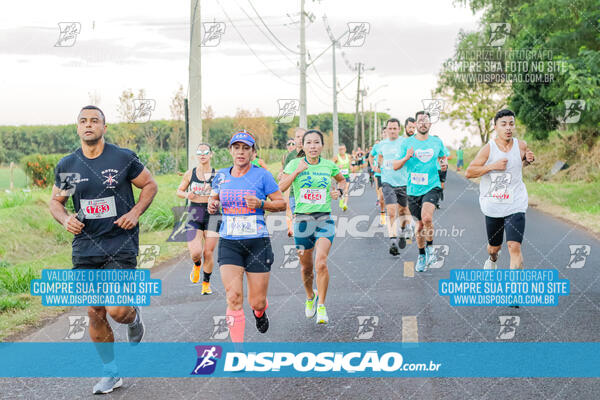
column 343, row 161
column 105, row 224
column 202, row 239
column 374, row 160
column 394, row 187
column 245, row 192
column 502, row 194
column 442, row 174
column 314, row 228
column 293, row 153
column 459, row 158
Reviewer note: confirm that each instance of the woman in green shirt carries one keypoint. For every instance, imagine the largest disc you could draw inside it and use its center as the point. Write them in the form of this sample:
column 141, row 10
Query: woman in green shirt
column 314, row 229
column 342, row 160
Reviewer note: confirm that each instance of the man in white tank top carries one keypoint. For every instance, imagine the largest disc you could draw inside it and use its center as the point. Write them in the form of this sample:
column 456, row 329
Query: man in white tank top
column 502, row 193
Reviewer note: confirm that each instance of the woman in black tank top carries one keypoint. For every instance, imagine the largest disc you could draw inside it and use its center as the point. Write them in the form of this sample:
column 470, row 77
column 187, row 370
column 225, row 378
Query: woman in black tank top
column 202, row 238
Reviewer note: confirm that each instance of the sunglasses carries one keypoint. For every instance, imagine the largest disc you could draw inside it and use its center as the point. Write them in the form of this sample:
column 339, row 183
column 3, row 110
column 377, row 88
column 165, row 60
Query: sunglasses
column 203, row 152
column 291, row 143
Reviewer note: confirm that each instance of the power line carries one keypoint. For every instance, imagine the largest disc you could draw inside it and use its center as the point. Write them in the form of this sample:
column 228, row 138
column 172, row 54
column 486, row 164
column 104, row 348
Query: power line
column 267, row 36
column 250, row 48
column 271, row 32
column 317, row 71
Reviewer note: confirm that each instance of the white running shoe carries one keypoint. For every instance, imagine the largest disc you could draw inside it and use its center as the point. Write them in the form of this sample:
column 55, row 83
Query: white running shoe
column 107, row 385
column 310, row 306
column 489, row 264
column 322, row 317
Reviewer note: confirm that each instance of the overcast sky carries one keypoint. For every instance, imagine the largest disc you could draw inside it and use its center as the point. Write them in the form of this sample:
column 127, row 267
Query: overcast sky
column 145, row 44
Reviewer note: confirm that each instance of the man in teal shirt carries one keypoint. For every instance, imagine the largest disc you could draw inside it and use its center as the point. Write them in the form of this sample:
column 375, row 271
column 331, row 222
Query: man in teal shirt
column 420, row 155
column 394, row 186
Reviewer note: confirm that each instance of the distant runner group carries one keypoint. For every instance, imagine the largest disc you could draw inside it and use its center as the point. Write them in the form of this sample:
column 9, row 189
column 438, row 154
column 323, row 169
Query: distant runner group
column 227, row 206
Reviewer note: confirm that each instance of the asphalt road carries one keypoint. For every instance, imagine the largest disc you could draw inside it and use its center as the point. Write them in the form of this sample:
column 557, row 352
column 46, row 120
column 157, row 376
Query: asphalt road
column 366, row 281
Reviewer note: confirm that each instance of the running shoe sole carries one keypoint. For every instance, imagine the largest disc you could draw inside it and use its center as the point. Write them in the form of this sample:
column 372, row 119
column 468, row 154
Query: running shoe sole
column 394, row 250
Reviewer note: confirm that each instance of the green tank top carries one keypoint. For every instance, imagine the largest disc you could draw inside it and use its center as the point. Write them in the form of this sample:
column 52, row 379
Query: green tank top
column 255, row 162
column 344, row 165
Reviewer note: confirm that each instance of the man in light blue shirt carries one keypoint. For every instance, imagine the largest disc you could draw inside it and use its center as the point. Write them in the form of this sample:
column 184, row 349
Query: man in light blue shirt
column 393, row 184
column 420, row 154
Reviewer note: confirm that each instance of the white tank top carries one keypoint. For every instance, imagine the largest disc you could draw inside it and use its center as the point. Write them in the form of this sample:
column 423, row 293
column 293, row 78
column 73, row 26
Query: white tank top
column 502, row 193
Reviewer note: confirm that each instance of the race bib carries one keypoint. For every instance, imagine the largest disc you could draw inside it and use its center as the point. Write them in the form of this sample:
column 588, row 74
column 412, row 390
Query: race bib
column 388, row 164
column 200, row 188
column 241, row 225
column 345, row 171
column 99, row 208
column 417, row 178
column 313, row 196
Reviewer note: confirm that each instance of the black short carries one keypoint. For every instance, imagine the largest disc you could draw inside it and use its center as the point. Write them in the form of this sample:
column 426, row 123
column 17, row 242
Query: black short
column 442, row 175
column 415, row 203
column 202, row 220
column 119, row 261
column 254, row 255
column 394, row 194
column 513, row 224
column 378, row 179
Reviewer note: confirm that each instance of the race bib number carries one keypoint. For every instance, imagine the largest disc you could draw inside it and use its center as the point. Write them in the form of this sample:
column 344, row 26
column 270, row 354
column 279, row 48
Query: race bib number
column 99, row 208
column 313, row 196
column 242, row 225
column 388, row 164
column 345, row 171
column 417, row 178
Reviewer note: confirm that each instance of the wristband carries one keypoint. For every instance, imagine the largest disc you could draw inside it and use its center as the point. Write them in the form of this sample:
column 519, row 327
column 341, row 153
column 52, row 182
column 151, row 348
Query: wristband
column 262, row 204
column 341, row 192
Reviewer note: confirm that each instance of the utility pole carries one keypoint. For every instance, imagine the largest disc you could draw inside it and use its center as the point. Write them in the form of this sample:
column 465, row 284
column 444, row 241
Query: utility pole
column 335, row 122
column 362, row 120
column 336, row 128
column 303, row 117
column 371, row 126
column 194, row 84
column 355, row 139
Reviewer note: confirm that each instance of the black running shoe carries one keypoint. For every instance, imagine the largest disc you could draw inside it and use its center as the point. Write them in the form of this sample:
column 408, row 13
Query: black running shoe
column 402, row 241
column 262, row 323
column 394, row 249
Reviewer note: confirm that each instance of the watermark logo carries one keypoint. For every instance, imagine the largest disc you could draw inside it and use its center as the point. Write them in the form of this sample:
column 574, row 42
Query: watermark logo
column 142, row 110
column 148, row 255
column 357, row 34
column 579, row 253
column 366, row 326
column 573, row 110
column 207, row 359
column 67, row 35
column 182, row 216
column 213, row 31
column 358, row 184
column 68, row 183
column 508, row 326
column 287, row 110
column 499, row 32
column 499, row 183
column 77, row 325
column 434, row 107
column 290, row 256
column 440, row 252
column 221, row 325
